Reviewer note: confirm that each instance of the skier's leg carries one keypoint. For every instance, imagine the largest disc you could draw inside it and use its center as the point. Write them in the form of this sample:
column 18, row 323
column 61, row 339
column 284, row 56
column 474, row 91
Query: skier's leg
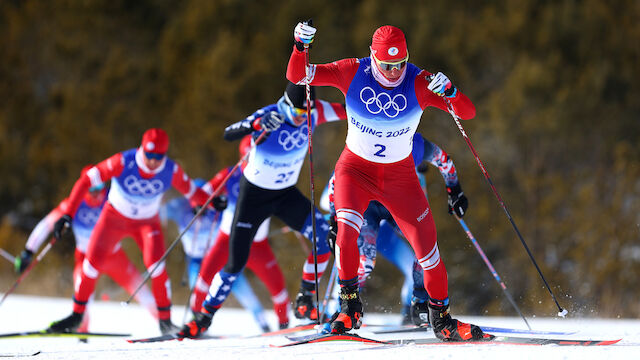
column 264, row 264
column 412, row 214
column 295, row 210
column 213, row 261
column 124, row 273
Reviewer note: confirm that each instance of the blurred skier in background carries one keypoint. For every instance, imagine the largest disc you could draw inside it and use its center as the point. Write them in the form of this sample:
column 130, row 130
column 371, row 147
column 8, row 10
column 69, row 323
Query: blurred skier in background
column 139, row 178
column 118, row 266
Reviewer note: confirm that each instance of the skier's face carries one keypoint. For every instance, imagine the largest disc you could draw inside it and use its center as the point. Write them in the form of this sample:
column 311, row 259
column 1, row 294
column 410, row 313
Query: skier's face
column 391, row 69
column 153, row 160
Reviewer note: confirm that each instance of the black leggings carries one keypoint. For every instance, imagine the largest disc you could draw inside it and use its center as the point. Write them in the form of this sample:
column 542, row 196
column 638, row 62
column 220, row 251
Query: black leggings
column 254, row 205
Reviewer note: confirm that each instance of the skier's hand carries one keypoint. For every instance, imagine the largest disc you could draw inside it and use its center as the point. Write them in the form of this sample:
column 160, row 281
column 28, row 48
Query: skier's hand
column 220, row 202
column 63, row 223
column 303, row 34
column 457, row 202
column 21, row 262
column 271, row 121
column 442, row 86
column 333, row 234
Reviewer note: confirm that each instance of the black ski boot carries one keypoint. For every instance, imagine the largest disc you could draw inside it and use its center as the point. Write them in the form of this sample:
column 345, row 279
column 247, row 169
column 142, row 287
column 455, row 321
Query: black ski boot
column 419, row 312
column 350, row 316
column 196, row 327
column 167, row 327
column 305, row 306
column 284, row 325
column 66, row 325
column 448, row 329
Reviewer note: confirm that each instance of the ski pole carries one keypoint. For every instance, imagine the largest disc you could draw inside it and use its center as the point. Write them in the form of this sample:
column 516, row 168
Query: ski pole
column 28, row 269
column 5, row 254
column 561, row 312
column 313, row 200
column 491, row 268
column 200, row 211
column 330, row 284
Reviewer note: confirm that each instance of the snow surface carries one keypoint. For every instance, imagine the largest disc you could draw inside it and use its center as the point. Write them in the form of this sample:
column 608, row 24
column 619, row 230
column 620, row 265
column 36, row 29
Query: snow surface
column 23, row 313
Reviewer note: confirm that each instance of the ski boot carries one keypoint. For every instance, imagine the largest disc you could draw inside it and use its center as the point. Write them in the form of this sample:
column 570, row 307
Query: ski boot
column 66, row 325
column 284, row 325
column 196, row 327
column 305, row 307
column 419, row 312
column 350, row 316
column 167, row 327
column 448, row 329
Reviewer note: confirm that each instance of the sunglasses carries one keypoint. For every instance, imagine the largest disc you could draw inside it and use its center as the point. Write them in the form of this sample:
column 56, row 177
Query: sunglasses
column 153, row 156
column 390, row 65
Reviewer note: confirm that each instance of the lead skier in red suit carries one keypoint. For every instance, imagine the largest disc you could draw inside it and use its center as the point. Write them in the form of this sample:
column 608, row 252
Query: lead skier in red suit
column 139, row 178
column 385, row 98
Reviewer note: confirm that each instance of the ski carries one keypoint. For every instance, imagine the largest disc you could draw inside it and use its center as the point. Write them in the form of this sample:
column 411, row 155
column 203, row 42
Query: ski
column 489, row 329
column 506, row 340
column 502, row 340
column 169, row 337
column 14, row 355
column 45, row 333
column 317, row 338
column 288, row 330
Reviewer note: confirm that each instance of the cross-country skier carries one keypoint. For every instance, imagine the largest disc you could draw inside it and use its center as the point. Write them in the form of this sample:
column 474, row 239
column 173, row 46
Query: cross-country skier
column 385, row 97
column 261, row 260
column 207, row 227
column 119, row 267
column 139, row 177
column 380, row 234
column 267, row 187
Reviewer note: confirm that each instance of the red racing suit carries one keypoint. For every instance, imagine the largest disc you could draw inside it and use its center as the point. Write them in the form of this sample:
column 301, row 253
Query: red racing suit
column 131, row 210
column 376, row 163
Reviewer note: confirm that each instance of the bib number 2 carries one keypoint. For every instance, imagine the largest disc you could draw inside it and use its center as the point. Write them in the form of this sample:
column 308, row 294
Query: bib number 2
column 381, row 149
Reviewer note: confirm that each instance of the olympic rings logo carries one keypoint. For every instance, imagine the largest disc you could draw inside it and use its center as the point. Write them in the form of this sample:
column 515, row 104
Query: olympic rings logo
column 383, row 102
column 296, row 139
column 143, row 187
column 88, row 216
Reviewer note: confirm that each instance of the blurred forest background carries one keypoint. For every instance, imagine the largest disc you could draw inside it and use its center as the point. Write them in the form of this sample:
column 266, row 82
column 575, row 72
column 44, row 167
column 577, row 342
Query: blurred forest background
column 555, row 84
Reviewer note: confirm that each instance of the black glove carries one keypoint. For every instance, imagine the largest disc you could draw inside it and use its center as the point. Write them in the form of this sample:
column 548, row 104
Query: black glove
column 60, row 225
column 220, row 202
column 333, row 233
column 458, row 203
column 21, row 262
column 271, row 121
column 423, row 167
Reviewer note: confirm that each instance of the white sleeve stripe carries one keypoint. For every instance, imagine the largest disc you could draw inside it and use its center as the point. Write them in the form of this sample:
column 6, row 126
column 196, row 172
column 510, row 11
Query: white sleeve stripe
column 94, row 176
column 352, row 212
column 192, row 190
column 431, row 253
column 350, row 223
column 281, row 297
column 89, row 270
column 430, row 267
column 329, row 112
column 159, row 270
column 430, row 261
